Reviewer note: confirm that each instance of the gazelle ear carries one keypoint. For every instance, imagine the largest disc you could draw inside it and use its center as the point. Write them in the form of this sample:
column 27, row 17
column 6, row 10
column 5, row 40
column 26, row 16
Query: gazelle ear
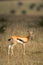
column 31, row 32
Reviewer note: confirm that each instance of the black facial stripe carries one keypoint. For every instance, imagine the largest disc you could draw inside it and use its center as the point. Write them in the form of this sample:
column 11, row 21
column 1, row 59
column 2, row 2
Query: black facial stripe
column 20, row 40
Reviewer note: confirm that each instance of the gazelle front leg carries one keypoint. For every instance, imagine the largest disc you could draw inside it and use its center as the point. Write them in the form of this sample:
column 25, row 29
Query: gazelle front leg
column 24, row 48
column 12, row 52
column 9, row 49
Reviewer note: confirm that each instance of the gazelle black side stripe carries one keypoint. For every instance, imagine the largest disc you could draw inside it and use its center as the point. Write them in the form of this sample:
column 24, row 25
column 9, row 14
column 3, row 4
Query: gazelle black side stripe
column 20, row 40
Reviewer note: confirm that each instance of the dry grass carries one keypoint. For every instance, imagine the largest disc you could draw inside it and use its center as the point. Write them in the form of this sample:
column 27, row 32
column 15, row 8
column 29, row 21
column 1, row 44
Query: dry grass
column 7, row 6
column 19, row 25
column 22, row 0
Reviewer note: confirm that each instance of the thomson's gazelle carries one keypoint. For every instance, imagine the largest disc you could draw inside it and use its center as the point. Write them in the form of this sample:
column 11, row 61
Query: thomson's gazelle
column 18, row 39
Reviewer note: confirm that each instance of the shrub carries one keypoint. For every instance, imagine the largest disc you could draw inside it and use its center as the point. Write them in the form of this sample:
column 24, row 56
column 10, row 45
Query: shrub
column 23, row 12
column 32, row 6
column 41, row 5
column 41, row 22
column 38, row 8
column 12, row 11
column 2, row 29
column 20, row 3
column 3, row 19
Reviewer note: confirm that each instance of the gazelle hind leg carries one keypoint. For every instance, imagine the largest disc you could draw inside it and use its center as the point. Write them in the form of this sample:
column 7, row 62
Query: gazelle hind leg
column 9, row 49
column 24, row 48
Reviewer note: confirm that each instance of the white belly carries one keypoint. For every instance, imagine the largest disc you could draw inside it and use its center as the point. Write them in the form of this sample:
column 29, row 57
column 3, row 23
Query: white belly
column 19, row 42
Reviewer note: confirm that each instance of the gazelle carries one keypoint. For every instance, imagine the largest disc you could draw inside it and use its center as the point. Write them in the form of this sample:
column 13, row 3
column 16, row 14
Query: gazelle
column 18, row 39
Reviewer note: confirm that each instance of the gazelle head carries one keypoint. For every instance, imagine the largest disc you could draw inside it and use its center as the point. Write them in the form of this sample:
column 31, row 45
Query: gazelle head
column 30, row 34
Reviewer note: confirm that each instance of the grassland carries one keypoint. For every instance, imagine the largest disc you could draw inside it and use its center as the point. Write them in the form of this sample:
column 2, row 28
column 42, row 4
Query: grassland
column 7, row 6
column 20, row 0
column 19, row 25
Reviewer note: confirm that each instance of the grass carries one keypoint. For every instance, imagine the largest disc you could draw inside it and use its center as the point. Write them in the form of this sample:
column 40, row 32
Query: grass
column 18, row 7
column 18, row 0
column 19, row 25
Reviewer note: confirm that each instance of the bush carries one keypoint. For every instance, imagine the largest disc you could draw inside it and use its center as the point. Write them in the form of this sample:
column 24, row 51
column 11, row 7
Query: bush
column 20, row 3
column 41, row 22
column 41, row 5
column 23, row 12
column 12, row 11
column 3, row 19
column 2, row 29
column 32, row 6
column 38, row 8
